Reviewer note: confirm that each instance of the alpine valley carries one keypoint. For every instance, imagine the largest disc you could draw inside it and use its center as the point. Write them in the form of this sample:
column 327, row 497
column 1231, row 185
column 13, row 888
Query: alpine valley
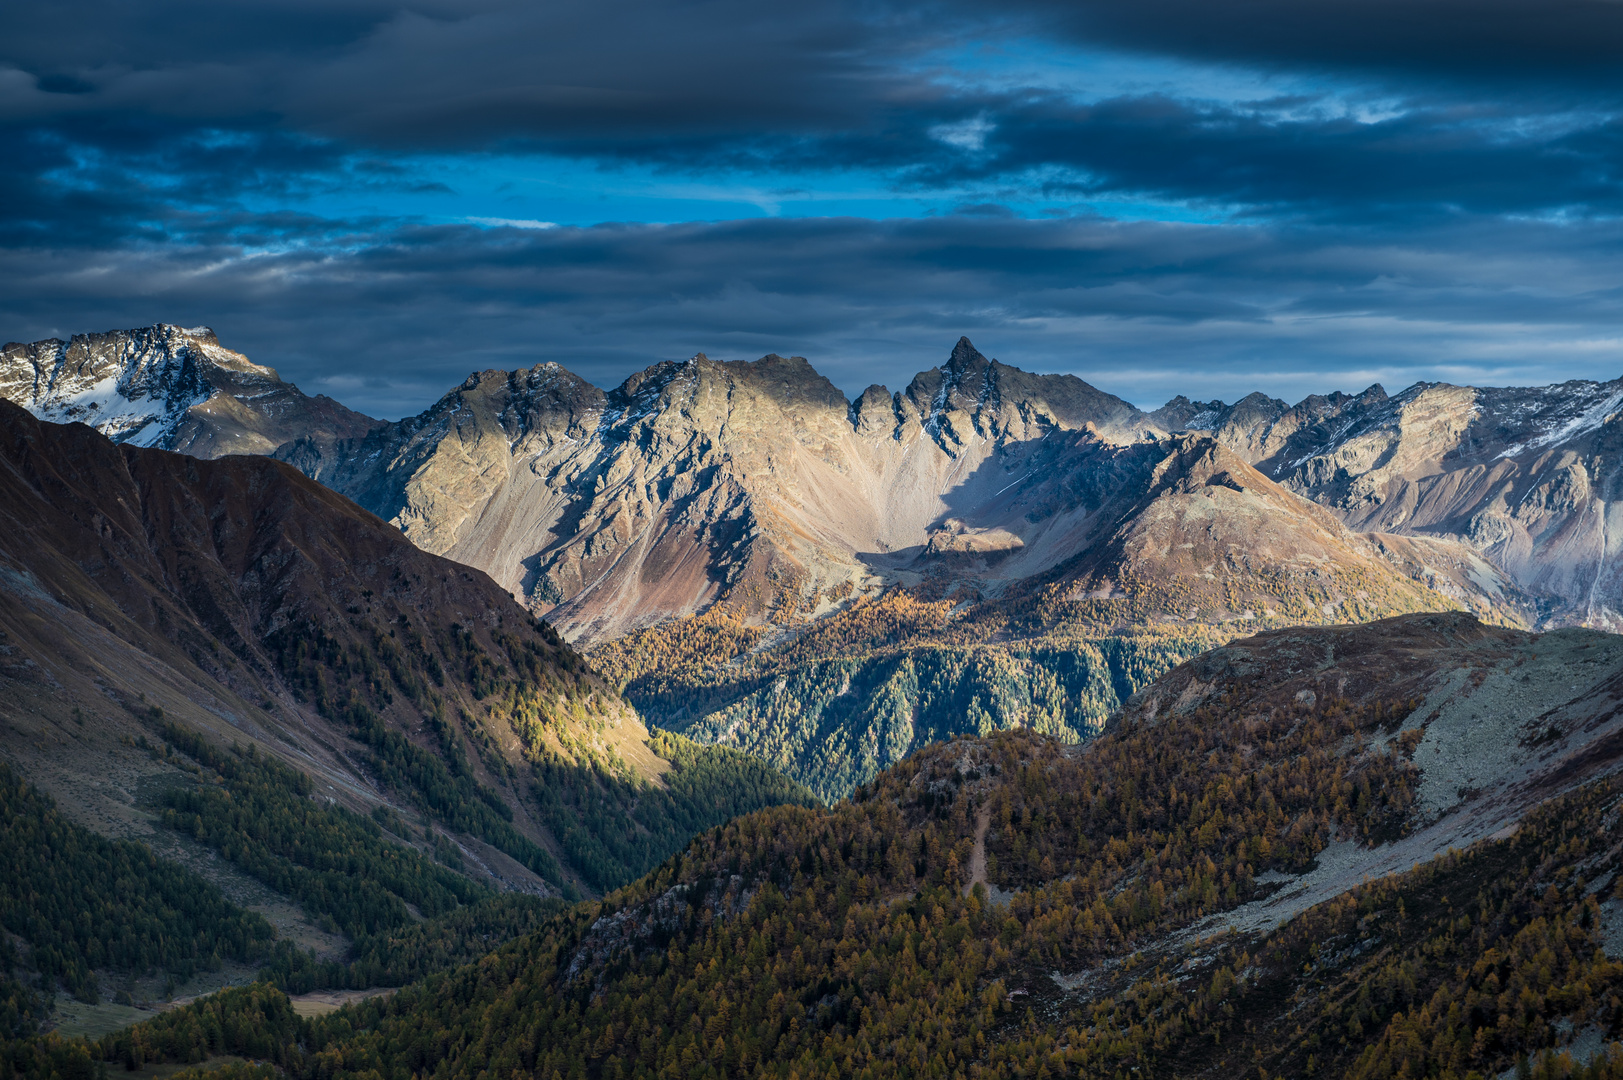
column 719, row 725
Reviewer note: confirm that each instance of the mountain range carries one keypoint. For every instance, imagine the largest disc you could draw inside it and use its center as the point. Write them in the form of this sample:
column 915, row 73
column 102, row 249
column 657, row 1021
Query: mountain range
column 829, row 584
column 256, row 732
column 172, row 388
column 760, row 484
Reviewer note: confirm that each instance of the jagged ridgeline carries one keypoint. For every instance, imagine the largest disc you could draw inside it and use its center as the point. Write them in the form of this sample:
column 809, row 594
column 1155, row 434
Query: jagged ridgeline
column 1180, row 527
column 171, row 387
column 1265, row 869
column 1062, row 546
column 986, row 549
column 761, row 482
column 225, row 655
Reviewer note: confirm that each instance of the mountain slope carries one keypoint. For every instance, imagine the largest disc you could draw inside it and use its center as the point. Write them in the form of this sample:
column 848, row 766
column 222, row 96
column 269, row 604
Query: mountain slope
column 173, row 388
column 155, row 594
column 1182, row 545
column 1525, row 476
column 1078, row 550
column 1245, row 875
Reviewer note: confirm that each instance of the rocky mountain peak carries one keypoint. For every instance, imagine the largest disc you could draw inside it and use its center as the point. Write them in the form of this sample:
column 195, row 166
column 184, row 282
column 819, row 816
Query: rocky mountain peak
column 545, row 398
column 964, row 355
column 170, row 387
column 873, row 414
column 759, row 483
column 737, row 395
column 1181, row 414
column 971, row 396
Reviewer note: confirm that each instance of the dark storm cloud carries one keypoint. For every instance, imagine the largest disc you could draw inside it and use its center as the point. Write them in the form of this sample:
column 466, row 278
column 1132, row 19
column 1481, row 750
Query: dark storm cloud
column 1409, row 209
column 96, row 181
column 1295, row 158
column 389, row 322
column 467, row 74
column 1499, row 41
column 729, row 84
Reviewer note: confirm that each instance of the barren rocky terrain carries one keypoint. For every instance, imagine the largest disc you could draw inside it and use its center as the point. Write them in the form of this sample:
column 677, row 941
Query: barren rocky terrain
column 1525, row 476
column 760, row 484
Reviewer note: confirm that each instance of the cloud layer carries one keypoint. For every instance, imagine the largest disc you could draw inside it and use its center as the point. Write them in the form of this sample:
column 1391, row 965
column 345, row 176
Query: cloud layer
column 1145, row 310
column 1164, row 197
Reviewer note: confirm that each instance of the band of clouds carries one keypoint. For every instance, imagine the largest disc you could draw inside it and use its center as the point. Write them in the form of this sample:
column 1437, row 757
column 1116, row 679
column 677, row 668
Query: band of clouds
column 1381, row 219
column 1144, row 310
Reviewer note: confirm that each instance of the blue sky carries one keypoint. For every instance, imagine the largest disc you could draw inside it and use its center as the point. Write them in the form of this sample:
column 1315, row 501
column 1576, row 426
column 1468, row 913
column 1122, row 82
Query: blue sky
column 1165, row 197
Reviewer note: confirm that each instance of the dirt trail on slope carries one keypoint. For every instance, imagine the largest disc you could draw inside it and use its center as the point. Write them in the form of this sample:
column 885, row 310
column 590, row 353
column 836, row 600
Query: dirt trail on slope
column 977, row 858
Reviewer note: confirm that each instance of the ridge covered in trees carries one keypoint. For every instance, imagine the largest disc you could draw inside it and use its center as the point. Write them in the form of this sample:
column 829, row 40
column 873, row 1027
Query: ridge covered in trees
column 836, row 943
column 545, row 736
column 859, row 690
column 1017, row 906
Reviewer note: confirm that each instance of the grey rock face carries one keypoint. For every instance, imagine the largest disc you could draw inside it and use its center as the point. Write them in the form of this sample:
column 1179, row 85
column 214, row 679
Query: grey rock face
column 758, row 482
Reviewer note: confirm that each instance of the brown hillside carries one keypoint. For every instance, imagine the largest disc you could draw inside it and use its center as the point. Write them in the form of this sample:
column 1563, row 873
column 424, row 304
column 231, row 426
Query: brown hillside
column 239, row 598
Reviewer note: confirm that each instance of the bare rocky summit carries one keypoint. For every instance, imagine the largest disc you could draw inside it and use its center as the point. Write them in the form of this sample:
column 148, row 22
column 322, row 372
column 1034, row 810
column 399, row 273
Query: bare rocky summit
column 169, row 387
column 760, row 484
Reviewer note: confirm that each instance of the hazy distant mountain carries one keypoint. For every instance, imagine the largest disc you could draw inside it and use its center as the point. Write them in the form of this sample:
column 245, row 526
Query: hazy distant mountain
column 172, row 388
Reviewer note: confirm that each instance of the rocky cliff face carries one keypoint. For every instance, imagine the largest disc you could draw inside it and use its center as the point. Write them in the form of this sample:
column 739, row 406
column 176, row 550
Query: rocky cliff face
column 1199, row 536
column 1525, row 478
column 761, row 484
column 1169, row 546
column 172, row 388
